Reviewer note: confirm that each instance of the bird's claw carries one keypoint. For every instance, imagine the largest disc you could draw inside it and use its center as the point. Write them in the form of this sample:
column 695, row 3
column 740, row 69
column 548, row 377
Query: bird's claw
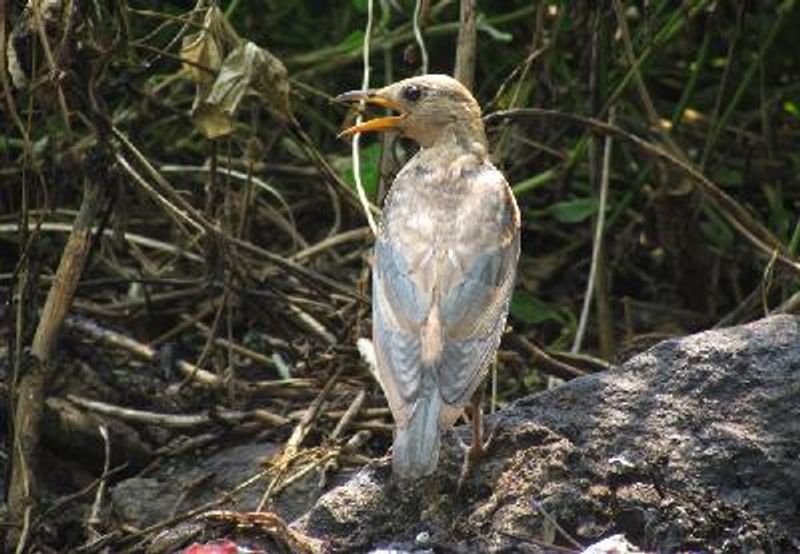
column 473, row 453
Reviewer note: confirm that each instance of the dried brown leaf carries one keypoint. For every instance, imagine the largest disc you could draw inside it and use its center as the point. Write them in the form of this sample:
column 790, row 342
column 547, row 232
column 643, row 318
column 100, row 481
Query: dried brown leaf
column 237, row 67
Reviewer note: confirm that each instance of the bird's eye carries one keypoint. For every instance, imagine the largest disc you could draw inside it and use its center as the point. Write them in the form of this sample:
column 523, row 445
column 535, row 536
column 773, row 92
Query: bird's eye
column 412, row 93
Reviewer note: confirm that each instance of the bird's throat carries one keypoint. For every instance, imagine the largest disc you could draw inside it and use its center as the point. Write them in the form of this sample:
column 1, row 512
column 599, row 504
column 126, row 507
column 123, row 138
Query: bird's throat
column 451, row 154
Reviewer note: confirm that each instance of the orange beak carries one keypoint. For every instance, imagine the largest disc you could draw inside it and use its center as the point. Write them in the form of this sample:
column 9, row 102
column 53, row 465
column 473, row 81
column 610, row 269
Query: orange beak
column 378, row 124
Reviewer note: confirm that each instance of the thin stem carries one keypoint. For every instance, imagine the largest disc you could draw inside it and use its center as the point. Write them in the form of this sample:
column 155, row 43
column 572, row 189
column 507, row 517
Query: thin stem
column 598, row 239
column 418, row 36
column 362, row 195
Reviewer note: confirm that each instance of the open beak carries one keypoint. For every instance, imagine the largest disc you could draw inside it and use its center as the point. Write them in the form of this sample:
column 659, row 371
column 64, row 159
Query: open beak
column 374, row 98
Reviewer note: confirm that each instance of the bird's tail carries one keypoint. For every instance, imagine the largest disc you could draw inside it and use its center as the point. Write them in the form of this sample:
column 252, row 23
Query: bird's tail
column 415, row 452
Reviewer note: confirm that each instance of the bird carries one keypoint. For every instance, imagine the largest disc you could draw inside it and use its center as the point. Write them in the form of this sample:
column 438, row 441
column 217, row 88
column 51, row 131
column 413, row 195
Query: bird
column 444, row 267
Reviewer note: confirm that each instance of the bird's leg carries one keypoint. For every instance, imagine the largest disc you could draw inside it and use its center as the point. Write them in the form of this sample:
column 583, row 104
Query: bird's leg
column 478, row 447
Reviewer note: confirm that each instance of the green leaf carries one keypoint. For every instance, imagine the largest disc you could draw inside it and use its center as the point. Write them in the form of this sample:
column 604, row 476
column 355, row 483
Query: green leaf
column 353, row 41
column 792, row 108
column 780, row 217
column 717, row 231
column 360, row 5
column 574, row 211
column 370, row 169
column 729, row 177
column 532, row 183
column 494, row 32
column 526, row 307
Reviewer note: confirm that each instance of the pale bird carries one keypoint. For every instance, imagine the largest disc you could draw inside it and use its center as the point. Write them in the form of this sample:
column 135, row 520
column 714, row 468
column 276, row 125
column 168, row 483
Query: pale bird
column 444, row 266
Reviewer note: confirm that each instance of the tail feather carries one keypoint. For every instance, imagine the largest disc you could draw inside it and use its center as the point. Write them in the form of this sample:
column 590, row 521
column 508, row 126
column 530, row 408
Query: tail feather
column 415, row 452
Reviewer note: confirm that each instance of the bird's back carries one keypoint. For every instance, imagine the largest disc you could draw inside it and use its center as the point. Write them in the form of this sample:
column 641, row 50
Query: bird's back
column 445, row 261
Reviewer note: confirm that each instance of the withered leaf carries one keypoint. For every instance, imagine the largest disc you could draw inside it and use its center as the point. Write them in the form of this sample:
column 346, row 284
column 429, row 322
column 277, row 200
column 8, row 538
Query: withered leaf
column 237, row 67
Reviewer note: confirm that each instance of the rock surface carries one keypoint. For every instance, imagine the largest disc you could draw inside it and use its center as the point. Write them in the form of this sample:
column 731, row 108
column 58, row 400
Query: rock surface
column 186, row 484
column 692, row 445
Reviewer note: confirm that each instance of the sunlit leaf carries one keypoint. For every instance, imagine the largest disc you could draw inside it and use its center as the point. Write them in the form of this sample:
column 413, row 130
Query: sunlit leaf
column 791, row 107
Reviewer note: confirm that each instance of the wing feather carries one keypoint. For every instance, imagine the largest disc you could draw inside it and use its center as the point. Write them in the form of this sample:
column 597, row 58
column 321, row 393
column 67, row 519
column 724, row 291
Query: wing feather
column 455, row 243
column 398, row 309
column 476, row 317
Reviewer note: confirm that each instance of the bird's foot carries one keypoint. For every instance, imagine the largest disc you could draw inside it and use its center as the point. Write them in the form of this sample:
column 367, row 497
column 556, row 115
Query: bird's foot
column 474, row 452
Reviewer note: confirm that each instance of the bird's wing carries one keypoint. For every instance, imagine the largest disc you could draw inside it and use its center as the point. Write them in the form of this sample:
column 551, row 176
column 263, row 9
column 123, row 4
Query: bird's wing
column 398, row 310
column 458, row 252
column 475, row 300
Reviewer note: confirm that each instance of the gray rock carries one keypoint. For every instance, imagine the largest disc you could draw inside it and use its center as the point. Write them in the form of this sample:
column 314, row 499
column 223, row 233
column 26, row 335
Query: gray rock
column 692, row 445
column 186, row 483
column 141, row 501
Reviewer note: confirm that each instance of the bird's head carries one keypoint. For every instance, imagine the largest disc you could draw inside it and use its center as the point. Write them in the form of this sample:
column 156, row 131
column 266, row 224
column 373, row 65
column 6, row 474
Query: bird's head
column 427, row 108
